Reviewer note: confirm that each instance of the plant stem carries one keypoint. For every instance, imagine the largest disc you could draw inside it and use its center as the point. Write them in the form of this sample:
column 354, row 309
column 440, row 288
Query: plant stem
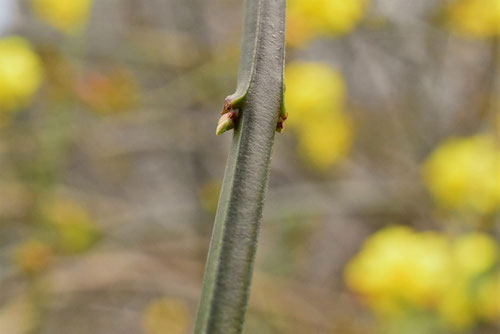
column 230, row 261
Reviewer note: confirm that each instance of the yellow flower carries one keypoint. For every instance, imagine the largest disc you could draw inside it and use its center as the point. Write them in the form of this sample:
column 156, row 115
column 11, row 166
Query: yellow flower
column 398, row 266
column 166, row 315
column 488, row 301
column 456, row 309
column 20, row 73
column 76, row 232
column 33, row 256
column 464, row 174
column 475, row 253
column 399, row 270
column 313, row 17
column 313, row 90
column 315, row 99
column 475, row 17
column 322, row 144
column 66, row 15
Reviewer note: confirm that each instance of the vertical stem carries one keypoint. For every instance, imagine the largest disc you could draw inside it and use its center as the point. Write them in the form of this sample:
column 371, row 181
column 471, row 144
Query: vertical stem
column 234, row 241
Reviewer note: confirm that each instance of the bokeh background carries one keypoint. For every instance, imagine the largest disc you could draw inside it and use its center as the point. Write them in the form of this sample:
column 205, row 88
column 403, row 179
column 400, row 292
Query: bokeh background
column 383, row 208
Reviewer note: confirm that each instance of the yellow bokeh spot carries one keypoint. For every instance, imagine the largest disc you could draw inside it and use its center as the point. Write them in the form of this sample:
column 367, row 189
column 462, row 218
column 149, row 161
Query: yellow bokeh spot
column 76, row 232
column 399, row 270
column 166, row 315
column 398, row 266
column 464, row 174
column 475, row 253
column 315, row 99
column 20, row 73
column 475, row 17
column 308, row 18
column 66, row 15
column 312, row 90
column 32, row 256
column 456, row 309
column 322, row 144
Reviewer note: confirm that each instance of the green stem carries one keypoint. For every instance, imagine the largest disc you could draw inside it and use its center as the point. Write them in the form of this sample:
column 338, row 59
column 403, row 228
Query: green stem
column 230, row 261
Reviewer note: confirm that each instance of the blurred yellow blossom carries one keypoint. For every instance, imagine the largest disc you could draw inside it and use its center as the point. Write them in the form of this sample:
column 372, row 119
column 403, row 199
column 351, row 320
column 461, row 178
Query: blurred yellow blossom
column 32, row 256
column 68, row 16
column 307, row 18
column 488, row 300
column 166, row 315
column 456, row 309
column 475, row 253
column 475, row 17
column 313, row 89
column 322, row 144
column 468, row 301
column 464, row 174
column 398, row 266
column 399, row 270
column 315, row 101
column 76, row 232
column 20, row 73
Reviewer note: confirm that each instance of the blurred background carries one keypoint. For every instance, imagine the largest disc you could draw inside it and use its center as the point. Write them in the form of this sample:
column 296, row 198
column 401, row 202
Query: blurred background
column 383, row 208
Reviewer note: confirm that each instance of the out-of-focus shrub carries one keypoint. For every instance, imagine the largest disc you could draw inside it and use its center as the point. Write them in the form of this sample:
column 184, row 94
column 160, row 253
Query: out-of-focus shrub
column 315, row 100
column 400, row 271
column 464, row 174
column 398, row 266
